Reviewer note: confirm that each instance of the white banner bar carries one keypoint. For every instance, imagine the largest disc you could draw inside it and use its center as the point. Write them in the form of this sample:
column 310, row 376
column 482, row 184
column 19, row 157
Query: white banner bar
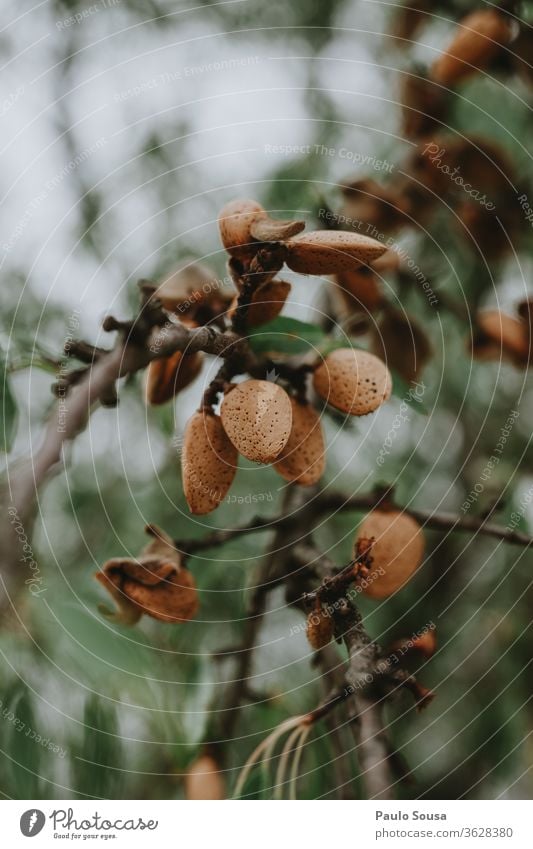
column 265, row 825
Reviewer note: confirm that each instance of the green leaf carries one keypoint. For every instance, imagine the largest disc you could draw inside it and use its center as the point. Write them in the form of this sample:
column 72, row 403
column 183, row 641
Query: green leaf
column 286, row 335
column 8, row 409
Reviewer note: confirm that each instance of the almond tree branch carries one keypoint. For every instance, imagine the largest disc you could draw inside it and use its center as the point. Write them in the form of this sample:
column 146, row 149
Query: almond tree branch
column 335, row 502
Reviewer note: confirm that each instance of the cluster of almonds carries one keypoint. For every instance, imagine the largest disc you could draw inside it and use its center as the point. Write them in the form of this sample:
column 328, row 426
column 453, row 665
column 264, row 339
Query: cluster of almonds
column 259, row 419
column 264, row 423
column 394, row 545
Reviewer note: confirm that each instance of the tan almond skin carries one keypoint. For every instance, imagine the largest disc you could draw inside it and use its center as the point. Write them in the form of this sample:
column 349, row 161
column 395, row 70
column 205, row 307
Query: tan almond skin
column 234, row 222
column 353, row 381
column 208, row 463
column 204, row 780
column 319, row 629
column 257, row 417
column 398, row 549
column 509, row 334
column 267, row 303
column 303, row 459
column 331, row 251
column 188, row 284
column 167, row 376
column 477, row 41
column 363, row 285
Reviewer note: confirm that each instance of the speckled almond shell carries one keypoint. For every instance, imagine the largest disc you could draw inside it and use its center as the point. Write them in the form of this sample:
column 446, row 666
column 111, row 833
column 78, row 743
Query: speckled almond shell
column 234, row 222
column 167, row 376
column 478, row 38
column 507, row 332
column 398, row 550
column 353, row 381
column 204, row 780
column 303, row 459
column 257, row 417
column 330, row 251
column 208, row 463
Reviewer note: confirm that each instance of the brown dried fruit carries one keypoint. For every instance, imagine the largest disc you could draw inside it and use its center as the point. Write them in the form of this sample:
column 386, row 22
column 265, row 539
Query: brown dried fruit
column 477, row 40
column 425, row 643
column 204, row 780
column 156, row 583
column 424, row 106
column 167, row 376
column 267, row 302
column 330, row 251
column 399, row 340
column 407, row 21
column 271, row 230
column 397, row 550
column 189, row 284
column 235, row 222
column 360, row 287
column 208, row 462
column 353, row 381
column 319, row 628
column 303, row 459
column 366, row 202
column 257, row 417
column 501, row 335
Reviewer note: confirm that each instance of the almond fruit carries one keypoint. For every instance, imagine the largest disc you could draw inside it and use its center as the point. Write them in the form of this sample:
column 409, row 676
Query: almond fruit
column 167, row 376
column 156, row 583
column 397, row 550
column 267, row 302
column 502, row 335
column 398, row 339
column 208, row 462
column 478, row 39
column 319, row 629
column 303, row 459
column 257, row 417
column 353, row 381
column 360, row 287
column 330, row 251
column 235, row 222
column 187, row 285
column 366, row 202
column 204, row 780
